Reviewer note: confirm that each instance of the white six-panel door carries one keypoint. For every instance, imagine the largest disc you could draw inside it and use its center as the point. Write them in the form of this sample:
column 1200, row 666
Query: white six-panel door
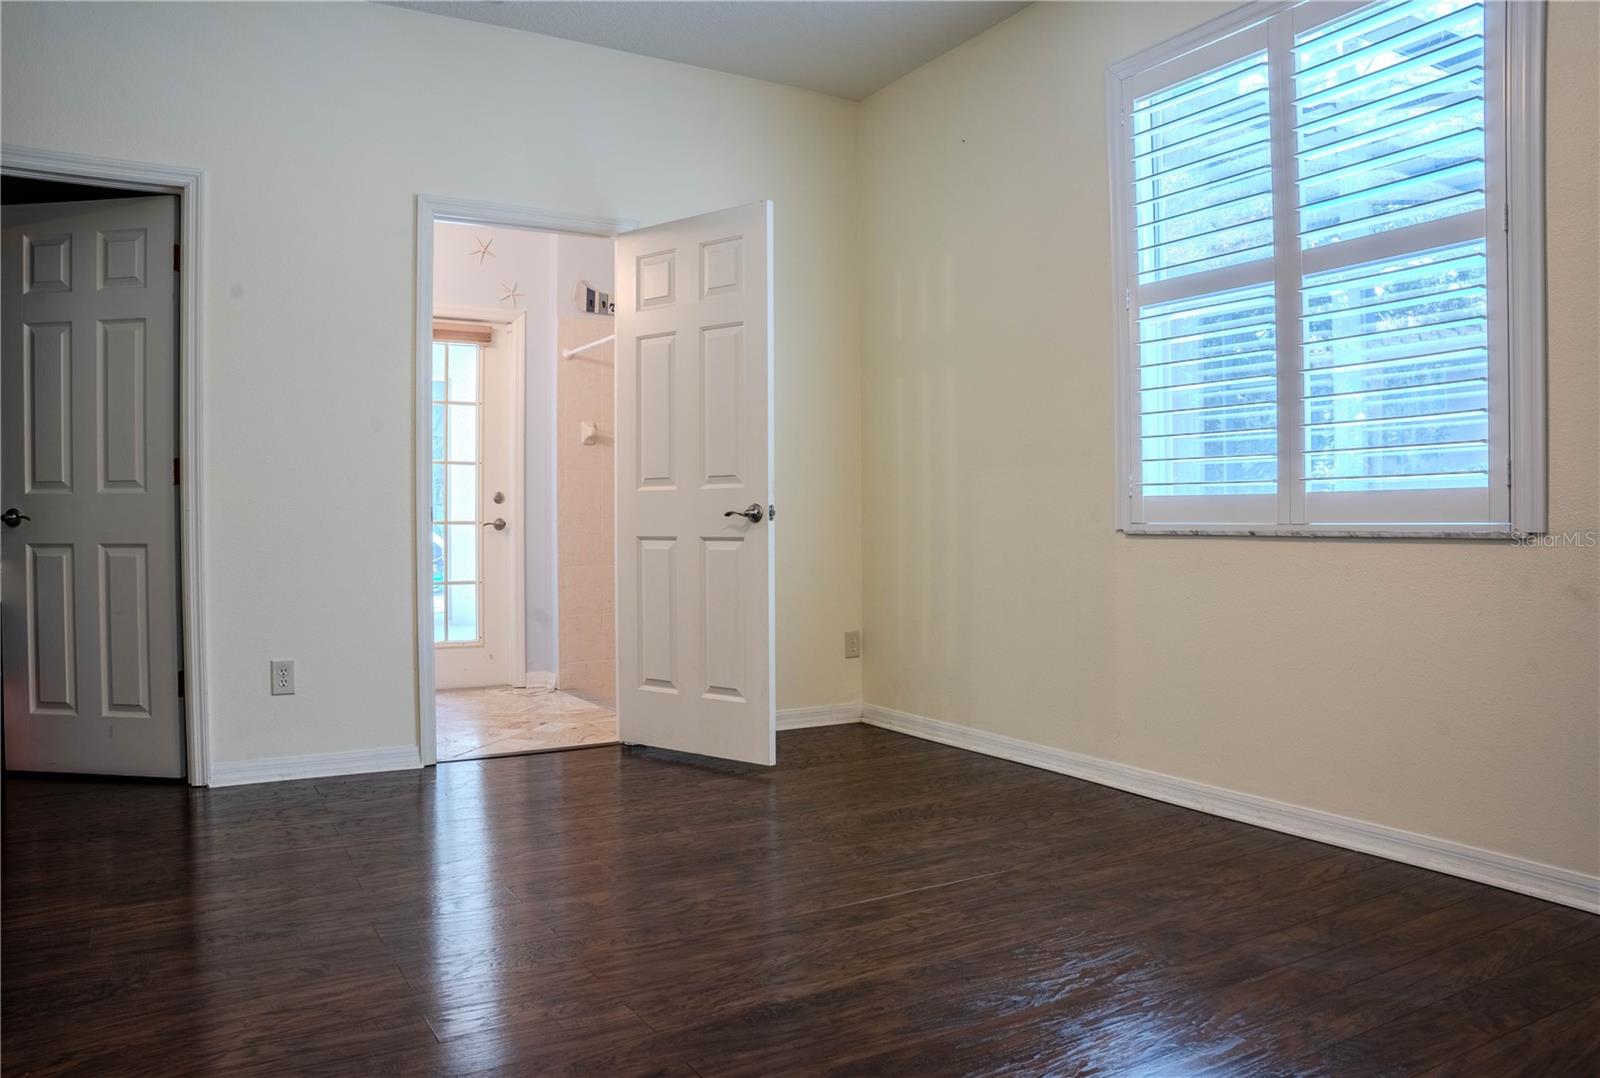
column 90, row 578
column 695, row 657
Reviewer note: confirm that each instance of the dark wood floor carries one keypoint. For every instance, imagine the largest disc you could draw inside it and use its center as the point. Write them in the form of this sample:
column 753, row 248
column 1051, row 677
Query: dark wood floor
column 874, row 905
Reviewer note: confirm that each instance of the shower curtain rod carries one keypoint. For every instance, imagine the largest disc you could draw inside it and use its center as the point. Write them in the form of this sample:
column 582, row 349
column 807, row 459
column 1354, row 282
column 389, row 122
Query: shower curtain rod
column 570, row 352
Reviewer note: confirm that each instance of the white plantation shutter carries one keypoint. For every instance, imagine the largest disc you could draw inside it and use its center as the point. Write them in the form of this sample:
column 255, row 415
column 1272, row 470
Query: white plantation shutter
column 1310, row 241
column 1202, row 169
column 1208, row 396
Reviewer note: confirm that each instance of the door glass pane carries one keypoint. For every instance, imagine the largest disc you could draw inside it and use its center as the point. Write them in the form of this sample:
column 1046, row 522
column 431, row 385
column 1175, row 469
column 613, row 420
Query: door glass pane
column 463, row 432
column 463, row 499
column 438, row 554
column 438, row 432
column 464, row 372
column 438, row 492
column 462, row 552
column 438, row 371
column 438, row 612
column 463, row 614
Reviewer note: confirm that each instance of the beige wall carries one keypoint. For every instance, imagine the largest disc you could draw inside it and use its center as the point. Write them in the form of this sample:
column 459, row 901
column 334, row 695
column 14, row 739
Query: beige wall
column 586, row 523
column 1448, row 688
column 317, row 126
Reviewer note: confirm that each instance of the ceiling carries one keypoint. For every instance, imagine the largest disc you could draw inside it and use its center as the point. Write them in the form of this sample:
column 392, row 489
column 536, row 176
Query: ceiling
column 849, row 50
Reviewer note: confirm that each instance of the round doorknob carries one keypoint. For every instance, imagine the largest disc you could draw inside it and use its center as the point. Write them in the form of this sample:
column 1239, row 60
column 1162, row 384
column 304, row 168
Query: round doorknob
column 497, row 524
column 11, row 518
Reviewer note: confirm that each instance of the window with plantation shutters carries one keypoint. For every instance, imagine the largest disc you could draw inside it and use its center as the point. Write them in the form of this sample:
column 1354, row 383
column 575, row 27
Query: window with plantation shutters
column 1316, row 210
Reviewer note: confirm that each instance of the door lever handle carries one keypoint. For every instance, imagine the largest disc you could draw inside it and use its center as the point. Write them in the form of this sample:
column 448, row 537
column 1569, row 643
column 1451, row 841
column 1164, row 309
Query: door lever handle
column 11, row 518
column 498, row 524
column 752, row 514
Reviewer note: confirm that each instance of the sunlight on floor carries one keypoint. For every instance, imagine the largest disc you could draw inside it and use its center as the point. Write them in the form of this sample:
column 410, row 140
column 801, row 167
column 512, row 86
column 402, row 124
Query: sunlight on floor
column 501, row 721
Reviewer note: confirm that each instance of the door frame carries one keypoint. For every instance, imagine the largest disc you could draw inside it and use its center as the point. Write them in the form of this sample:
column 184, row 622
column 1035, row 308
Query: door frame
column 431, row 210
column 517, row 327
column 186, row 184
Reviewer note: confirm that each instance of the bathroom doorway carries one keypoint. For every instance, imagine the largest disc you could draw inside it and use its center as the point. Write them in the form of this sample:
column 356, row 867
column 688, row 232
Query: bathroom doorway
column 521, row 527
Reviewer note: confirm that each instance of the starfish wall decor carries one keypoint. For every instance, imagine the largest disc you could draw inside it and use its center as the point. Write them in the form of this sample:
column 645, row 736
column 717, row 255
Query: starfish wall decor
column 511, row 294
column 482, row 250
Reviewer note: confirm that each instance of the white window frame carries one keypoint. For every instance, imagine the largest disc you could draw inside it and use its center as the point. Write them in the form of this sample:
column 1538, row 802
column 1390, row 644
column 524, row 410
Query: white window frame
column 1514, row 164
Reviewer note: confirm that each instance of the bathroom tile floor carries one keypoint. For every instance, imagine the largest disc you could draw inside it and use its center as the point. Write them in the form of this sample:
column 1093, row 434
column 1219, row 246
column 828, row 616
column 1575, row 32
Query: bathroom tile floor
column 474, row 723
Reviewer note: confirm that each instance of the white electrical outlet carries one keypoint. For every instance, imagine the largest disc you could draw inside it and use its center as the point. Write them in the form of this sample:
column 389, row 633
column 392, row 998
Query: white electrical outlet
column 282, row 677
column 852, row 644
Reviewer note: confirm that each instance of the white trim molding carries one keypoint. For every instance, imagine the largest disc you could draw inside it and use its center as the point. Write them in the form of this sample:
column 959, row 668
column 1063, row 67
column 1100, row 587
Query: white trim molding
column 187, row 184
column 1525, row 260
column 804, row 718
column 1425, row 851
column 431, row 209
column 315, row 766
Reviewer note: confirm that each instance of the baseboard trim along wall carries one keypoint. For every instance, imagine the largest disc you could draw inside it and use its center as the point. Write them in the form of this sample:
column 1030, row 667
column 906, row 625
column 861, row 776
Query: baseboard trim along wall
column 1441, row 855
column 803, row 718
column 316, row 766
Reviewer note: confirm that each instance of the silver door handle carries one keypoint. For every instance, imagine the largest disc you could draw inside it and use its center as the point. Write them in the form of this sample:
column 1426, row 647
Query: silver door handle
column 752, row 514
column 497, row 524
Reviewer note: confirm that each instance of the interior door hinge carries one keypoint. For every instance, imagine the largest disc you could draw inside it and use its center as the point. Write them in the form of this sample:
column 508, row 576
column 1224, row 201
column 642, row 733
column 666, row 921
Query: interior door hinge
column 177, row 259
column 1127, row 300
column 1508, row 219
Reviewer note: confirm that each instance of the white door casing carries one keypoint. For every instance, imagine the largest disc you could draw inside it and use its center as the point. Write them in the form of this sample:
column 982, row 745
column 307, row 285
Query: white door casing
column 695, row 652
column 91, row 629
column 496, row 657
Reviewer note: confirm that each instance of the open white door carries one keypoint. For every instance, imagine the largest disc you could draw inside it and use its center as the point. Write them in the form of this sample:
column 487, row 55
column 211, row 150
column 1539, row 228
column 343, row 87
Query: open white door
column 90, row 543
column 695, row 656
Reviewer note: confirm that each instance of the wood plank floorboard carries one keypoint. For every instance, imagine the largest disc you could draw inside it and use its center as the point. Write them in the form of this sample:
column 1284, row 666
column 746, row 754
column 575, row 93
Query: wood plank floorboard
column 875, row 904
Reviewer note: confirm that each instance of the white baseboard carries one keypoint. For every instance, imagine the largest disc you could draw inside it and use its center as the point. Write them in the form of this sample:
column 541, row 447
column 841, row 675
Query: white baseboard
column 315, row 766
column 1441, row 855
column 803, row 718
column 539, row 679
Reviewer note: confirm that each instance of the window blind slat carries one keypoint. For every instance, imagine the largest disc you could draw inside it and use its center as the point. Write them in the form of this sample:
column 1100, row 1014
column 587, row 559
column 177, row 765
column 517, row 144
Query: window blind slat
column 1396, row 109
column 1375, row 22
column 1358, row 52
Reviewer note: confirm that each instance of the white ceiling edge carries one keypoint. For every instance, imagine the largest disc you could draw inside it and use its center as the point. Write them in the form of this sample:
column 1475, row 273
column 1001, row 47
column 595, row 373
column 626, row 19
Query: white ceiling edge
column 843, row 48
